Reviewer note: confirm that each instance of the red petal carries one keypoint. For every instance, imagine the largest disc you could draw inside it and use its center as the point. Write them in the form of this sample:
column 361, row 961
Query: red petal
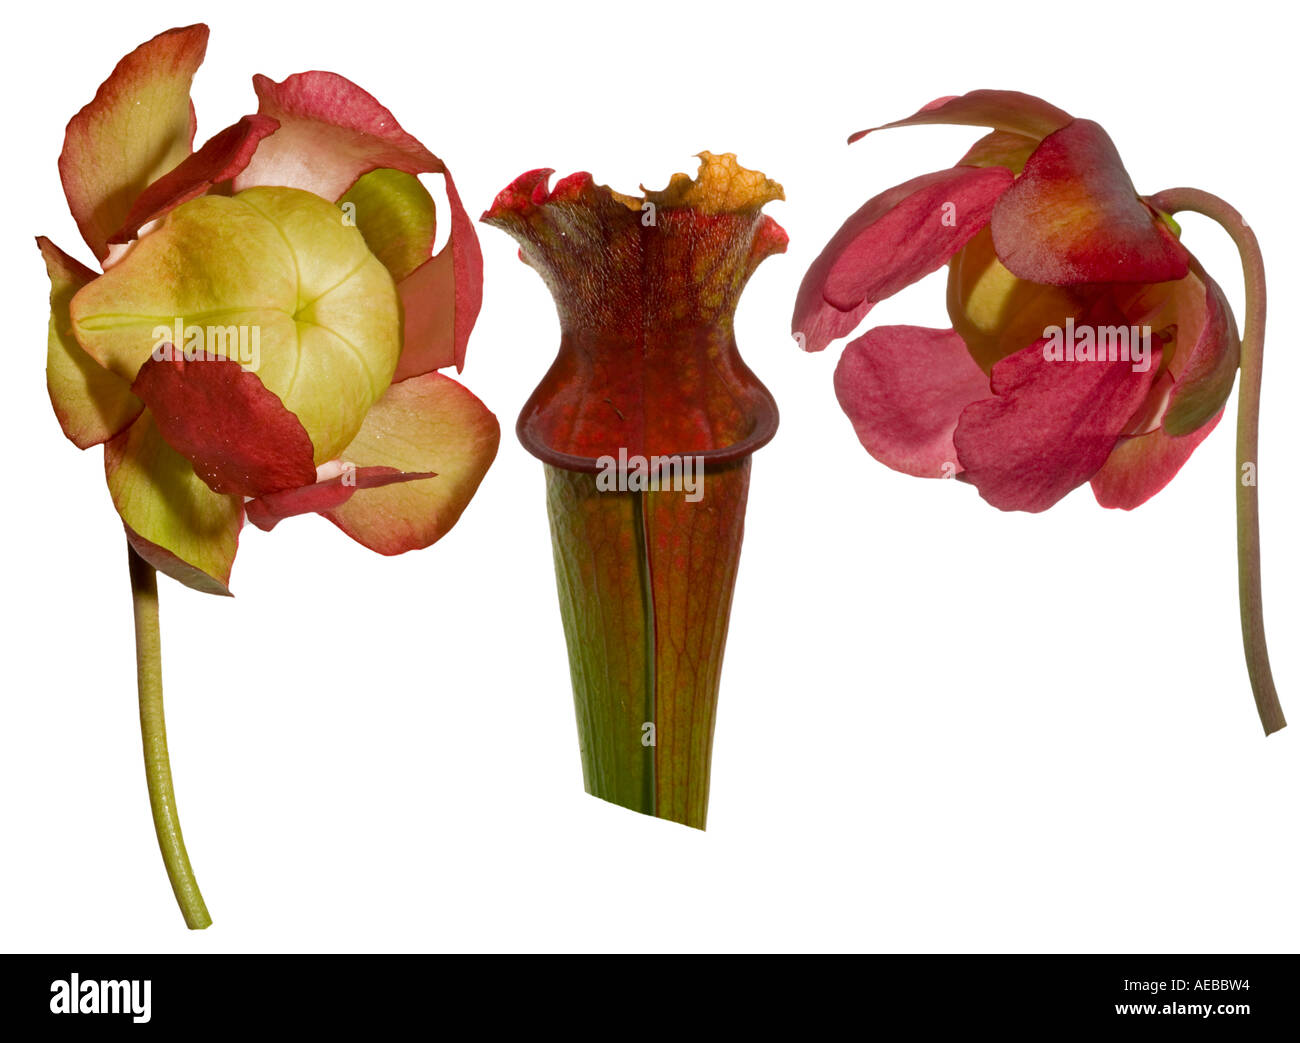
column 1002, row 110
column 1074, row 217
column 428, row 319
column 896, row 238
column 238, row 435
column 904, row 388
column 441, row 299
column 139, row 125
column 1140, row 467
column 467, row 260
column 1049, row 428
column 224, row 156
column 266, row 511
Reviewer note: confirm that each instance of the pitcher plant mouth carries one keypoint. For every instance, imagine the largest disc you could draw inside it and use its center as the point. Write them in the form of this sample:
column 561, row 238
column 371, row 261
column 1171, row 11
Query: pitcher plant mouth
column 647, row 370
column 646, row 288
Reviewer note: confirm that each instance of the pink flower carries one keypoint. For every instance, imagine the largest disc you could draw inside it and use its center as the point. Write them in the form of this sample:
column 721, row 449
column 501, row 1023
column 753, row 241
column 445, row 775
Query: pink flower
column 1087, row 343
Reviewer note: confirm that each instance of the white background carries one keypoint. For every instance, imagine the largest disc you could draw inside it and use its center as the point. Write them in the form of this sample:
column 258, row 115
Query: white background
column 941, row 727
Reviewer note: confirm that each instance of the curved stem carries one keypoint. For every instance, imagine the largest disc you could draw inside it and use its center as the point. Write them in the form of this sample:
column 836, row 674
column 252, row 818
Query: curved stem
column 1252, row 371
column 153, row 730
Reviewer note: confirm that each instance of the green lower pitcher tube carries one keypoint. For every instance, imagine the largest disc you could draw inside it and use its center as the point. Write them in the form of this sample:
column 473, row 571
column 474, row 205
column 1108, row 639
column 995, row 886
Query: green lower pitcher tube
column 645, row 582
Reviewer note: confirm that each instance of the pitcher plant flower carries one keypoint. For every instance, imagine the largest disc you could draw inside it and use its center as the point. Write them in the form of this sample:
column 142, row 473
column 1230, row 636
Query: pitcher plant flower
column 1088, row 345
column 646, row 422
column 263, row 340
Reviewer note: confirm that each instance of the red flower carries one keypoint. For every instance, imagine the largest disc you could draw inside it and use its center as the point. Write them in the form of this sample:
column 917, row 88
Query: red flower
column 1087, row 344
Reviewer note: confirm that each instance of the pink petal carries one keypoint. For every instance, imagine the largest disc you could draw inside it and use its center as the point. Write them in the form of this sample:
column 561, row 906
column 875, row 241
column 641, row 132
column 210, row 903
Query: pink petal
column 239, row 437
column 224, row 156
column 139, row 125
column 1074, row 217
column 1206, row 368
column 897, row 238
column 428, row 423
column 904, row 388
column 1001, row 110
column 1140, row 467
column 1201, row 345
column 267, row 511
column 331, row 132
column 1049, row 427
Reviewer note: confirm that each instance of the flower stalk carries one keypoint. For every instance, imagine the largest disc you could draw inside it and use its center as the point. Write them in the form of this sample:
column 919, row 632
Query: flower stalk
column 1250, row 586
column 153, row 732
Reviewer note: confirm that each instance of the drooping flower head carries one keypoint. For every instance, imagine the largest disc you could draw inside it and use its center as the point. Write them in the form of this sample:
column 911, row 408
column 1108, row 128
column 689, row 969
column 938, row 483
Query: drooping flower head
column 265, row 335
column 1087, row 344
column 1046, row 241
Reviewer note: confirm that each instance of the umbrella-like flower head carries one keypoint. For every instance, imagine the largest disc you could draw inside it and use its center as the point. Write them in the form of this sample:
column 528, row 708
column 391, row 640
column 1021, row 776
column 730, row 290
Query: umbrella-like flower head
column 265, row 337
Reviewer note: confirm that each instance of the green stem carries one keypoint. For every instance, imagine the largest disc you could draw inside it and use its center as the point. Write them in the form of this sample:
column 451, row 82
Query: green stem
column 153, row 729
column 1252, row 371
